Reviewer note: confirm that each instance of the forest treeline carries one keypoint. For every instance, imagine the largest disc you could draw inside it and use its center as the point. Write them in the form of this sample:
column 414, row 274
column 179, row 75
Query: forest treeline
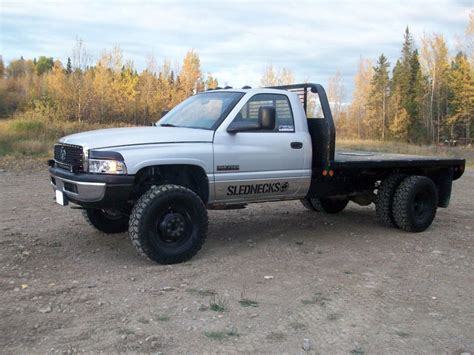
column 107, row 91
column 426, row 96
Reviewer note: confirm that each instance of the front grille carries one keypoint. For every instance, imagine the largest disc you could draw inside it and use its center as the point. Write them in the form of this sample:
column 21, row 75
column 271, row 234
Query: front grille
column 68, row 156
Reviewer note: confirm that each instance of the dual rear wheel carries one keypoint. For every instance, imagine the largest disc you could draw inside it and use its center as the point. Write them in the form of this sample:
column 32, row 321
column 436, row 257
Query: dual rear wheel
column 407, row 202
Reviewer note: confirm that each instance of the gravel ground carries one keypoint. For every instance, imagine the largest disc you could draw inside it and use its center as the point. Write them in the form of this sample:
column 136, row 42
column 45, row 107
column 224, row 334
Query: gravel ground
column 268, row 277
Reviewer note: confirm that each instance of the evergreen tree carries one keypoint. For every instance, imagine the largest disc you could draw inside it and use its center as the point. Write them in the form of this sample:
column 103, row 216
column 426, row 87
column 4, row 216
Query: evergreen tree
column 407, row 89
column 68, row 66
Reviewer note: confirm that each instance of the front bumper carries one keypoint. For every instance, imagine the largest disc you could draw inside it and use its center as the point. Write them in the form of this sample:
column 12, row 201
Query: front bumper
column 92, row 190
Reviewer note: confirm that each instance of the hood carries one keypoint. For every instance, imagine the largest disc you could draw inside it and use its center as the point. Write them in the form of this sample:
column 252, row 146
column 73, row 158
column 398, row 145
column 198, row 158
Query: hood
column 116, row 137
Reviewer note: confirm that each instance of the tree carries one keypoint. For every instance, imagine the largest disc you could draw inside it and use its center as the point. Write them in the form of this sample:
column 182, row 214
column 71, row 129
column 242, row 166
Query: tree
column 286, row 77
column 407, row 88
column 378, row 98
column 44, row 65
column 68, row 66
column 435, row 65
column 211, row 82
column 2, row 68
column 269, row 77
column 358, row 110
column 336, row 95
column 190, row 75
column 272, row 77
column 469, row 33
column 461, row 92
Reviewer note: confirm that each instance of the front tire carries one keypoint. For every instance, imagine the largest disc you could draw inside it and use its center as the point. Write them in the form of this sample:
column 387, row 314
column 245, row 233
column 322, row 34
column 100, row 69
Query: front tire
column 168, row 224
column 107, row 221
column 326, row 205
column 415, row 203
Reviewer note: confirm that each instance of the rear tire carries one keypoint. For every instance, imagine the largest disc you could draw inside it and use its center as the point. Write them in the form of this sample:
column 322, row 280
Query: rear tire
column 168, row 224
column 107, row 221
column 415, row 203
column 326, row 205
column 384, row 200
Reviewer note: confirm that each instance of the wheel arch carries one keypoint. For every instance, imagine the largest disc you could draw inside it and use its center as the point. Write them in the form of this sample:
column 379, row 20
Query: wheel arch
column 190, row 176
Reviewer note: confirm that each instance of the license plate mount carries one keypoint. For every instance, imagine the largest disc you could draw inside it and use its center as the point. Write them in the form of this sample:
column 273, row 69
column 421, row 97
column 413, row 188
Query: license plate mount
column 61, row 198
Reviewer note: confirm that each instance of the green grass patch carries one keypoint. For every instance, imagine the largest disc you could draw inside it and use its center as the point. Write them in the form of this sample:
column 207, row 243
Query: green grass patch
column 246, row 302
column 222, row 334
column 217, row 304
column 202, row 292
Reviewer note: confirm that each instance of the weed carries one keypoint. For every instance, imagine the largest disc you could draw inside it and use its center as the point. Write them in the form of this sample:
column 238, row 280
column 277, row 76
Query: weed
column 217, row 303
column 246, row 301
column 357, row 351
column 163, row 318
column 222, row 334
column 202, row 292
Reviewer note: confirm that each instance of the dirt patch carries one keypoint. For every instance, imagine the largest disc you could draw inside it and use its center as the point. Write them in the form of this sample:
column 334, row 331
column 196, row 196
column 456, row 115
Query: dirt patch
column 343, row 282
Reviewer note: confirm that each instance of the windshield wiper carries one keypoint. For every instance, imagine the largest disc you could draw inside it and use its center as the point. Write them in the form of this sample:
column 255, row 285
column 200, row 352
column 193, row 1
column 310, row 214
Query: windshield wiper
column 167, row 125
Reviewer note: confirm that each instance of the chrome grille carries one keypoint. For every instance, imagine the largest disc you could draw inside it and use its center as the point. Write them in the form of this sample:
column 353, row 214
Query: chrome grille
column 69, row 156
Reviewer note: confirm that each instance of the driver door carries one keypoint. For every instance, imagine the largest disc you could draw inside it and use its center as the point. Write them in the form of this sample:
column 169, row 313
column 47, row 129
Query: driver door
column 260, row 165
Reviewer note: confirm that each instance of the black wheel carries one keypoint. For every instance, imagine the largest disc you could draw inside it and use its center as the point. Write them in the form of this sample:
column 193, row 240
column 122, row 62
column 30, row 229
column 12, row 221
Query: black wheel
column 107, row 221
column 168, row 224
column 327, row 205
column 415, row 203
column 384, row 200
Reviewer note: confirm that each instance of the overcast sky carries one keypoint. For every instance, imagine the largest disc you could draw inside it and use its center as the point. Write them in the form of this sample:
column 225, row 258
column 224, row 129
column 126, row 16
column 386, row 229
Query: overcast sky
column 235, row 39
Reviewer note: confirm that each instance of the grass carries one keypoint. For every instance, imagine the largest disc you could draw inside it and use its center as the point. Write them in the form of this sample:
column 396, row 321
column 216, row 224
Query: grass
column 246, row 301
column 217, row 304
column 222, row 334
column 162, row 318
column 202, row 292
column 28, row 136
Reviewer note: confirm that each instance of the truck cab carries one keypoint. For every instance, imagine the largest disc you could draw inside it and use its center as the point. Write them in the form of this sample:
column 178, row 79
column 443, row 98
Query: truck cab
column 229, row 147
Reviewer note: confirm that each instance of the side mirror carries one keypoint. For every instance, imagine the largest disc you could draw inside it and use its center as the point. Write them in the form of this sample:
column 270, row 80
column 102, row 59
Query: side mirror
column 242, row 126
column 266, row 118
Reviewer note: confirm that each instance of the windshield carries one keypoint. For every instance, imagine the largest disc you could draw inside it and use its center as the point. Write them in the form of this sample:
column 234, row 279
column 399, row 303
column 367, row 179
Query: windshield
column 203, row 111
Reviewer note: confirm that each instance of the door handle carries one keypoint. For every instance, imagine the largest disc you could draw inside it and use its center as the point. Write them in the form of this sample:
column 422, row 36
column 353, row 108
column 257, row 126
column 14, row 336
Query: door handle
column 296, row 145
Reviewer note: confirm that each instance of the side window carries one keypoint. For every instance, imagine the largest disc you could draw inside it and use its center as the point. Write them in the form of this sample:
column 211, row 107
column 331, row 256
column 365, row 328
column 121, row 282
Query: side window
column 313, row 108
column 284, row 116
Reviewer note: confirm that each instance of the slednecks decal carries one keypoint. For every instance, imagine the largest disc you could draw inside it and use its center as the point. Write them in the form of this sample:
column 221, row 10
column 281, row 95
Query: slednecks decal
column 266, row 188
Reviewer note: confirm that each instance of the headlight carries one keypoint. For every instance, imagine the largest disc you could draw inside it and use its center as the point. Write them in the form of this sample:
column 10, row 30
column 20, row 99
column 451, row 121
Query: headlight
column 101, row 166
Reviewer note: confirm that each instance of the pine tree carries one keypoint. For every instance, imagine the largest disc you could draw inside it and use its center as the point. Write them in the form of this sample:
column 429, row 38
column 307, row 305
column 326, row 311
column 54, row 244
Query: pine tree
column 68, row 66
column 407, row 89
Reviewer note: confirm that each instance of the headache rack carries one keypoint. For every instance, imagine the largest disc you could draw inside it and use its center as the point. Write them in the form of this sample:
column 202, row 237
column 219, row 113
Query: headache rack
column 322, row 130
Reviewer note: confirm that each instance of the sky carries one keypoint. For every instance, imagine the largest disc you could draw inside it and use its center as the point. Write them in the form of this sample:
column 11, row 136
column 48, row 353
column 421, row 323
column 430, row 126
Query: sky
column 235, row 40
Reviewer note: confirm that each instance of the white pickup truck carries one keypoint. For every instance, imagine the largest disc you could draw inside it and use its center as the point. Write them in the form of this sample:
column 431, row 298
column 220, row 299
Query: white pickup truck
column 226, row 148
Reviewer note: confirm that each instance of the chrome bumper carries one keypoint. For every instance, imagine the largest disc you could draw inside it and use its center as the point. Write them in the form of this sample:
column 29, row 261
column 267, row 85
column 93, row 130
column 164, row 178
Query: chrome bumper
column 81, row 191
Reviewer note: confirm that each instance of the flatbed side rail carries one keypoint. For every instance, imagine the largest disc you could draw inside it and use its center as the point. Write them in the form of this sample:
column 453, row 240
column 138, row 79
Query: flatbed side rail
column 330, row 130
